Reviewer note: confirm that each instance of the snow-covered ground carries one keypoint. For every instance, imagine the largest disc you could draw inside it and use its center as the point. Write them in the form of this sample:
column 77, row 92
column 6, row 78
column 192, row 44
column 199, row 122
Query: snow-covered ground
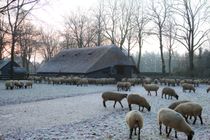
column 70, row 112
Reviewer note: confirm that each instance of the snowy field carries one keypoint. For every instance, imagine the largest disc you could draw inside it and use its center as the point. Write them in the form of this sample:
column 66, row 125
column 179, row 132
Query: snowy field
column 70, row 112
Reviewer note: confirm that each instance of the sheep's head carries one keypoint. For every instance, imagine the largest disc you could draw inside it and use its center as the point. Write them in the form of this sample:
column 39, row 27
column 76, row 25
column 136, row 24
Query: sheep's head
column 193, row 89
column 149, row 108
column 177, row 97
column 190, row 136
column 125, row 95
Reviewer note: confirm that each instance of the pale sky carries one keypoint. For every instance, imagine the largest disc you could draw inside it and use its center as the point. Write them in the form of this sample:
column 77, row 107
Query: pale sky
column 51, row 16
column 53, row 12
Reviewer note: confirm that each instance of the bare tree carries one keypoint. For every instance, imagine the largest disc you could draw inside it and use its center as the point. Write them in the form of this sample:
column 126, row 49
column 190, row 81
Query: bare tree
column 17, row 12
column 27, row 40
column 6, row 5
column 67, row 39
column 3, row 33
column 99, row 23
column 81, row 29
column 193, row 29
column 140, row 20
column 49, row 44
column 170, row 39
column 158, row 16
column 126, row 19
column 111, row 21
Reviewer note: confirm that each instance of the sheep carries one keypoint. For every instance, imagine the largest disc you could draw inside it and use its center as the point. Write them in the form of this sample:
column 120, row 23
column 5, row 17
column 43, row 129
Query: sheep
column 138, row 100
column 190, row 109
column 134, row 120
column 82, row 81
column 173, row 119
column 151, row 87
column 170, row 92
column 208, row 89
column 171, row 82
column 18, row 84
column 28, row 84
column 186, row 86
column 175, row 104
column 113, row 96
column 9, row 84
column 123, row 86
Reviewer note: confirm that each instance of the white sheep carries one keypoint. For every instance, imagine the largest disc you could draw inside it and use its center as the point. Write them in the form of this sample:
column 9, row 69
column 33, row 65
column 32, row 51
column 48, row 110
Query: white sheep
column 28, row 84
column 134, row 120
column 138, row 100
column 170, row 92
column 186, row 86
column 113, row 96
column 208, row 89
column 175, row 104
column 190, row 109
column 9, row 84
column 151, row 87
column 123, row 86
column 173, row 119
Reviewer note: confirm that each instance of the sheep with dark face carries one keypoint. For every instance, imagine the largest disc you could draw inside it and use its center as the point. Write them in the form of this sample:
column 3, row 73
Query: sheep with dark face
column 173, row 119
column 113, row 96
column 134, row 121
column 170, row 92
column 175, row 104
column 138, row 100
column 190, row 109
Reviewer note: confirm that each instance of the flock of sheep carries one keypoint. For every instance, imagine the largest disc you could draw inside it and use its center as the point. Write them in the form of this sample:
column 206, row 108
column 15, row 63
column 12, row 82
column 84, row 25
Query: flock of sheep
column 174, row 117
column 15, row 84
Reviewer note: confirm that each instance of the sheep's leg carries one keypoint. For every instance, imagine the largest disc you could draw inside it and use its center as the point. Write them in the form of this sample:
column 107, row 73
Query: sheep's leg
column 114, row 103
column 166, row 130
column 160, row 128
column 195, row 118
column 130, row 107
column 156, row 93
column 104, row 103
column 186, row 117
column 175, row 134
column 169, row 132
column 131, row 132
column 162, row 95
column 139, row 134
column 135, row 131
column 120, row 104
column 200, row 119
column 142, row 109
column 139, row 108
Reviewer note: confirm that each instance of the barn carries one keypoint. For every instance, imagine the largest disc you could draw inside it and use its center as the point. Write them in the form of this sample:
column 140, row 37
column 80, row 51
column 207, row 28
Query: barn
column 19, row 72
column 97, row 62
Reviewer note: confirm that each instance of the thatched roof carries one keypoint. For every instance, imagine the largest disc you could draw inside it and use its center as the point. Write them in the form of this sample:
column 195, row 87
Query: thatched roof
column 85, row 60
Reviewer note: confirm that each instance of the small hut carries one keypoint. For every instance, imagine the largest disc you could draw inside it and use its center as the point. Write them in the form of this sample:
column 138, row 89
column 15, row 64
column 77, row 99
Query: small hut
column 5, row 68
column 97, row 62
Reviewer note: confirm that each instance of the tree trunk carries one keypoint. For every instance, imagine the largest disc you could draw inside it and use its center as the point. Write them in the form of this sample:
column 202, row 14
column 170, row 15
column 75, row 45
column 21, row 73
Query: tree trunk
column 12, row 58
column 191, row 64
column 139, row 58
column 169, row 62
column 161, row 53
